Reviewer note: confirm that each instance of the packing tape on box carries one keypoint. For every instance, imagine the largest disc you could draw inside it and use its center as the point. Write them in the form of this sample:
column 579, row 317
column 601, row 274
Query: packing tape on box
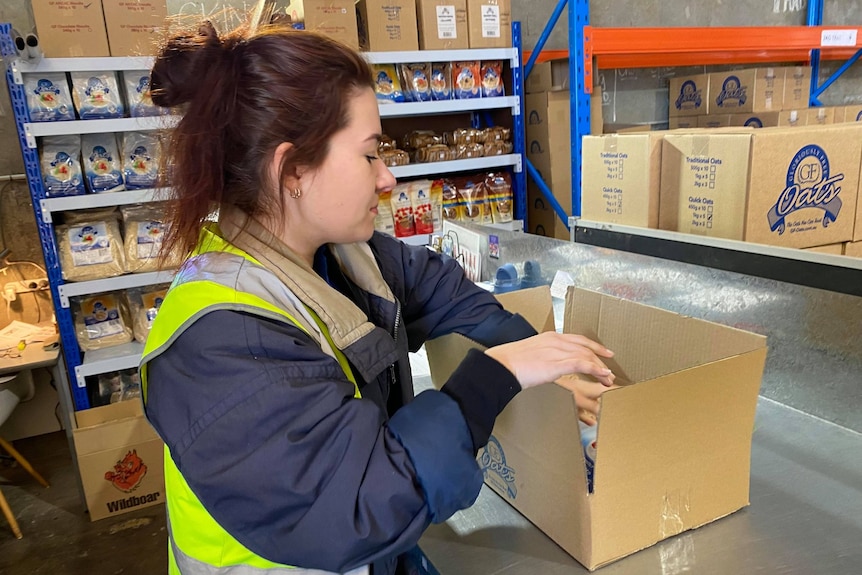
column 677, row 556
column 610, row 143
column 700, row 146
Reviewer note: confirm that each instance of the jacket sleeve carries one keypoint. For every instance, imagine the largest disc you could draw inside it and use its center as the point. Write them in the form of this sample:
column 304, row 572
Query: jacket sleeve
column 264, row 428
column 438, row 299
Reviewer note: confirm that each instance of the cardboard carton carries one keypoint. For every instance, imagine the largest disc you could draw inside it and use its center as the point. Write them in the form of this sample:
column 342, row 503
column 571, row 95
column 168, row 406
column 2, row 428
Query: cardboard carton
column 850, row 114
column 784, row 118
column 674, row 443
column 120, row 458
column 620, row 178
column 542, row 220
column 550, row 76
column 834, row 249
column 716, row 121
column 853, row 249
column 797, row 87
column 388, row 25
column 70, row 29
column 803, row 185
column 489, row 23
column 820, row 116
column 333, row 18
column 442, row 24
column 688, row 96
column 549, row 146
column 135, row 27
column 704, row 183
column 743, row 91
column 682, row 122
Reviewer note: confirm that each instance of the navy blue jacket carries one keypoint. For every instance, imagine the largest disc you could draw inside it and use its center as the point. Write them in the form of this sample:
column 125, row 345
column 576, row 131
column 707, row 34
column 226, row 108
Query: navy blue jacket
column 264, row 428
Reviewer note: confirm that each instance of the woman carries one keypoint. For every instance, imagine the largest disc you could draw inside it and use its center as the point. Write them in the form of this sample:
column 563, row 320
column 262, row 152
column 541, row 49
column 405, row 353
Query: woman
column 277, row 370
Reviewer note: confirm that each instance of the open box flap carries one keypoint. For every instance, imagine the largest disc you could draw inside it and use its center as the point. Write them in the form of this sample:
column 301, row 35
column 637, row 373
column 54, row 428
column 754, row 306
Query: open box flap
column 649, row 342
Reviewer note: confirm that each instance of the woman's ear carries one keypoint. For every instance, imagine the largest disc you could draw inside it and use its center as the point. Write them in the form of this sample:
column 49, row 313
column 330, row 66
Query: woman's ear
column 288, row 180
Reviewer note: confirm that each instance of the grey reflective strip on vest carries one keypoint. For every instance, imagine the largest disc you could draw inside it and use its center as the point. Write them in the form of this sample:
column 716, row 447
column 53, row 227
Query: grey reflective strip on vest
column 237, row 273
column 190, row 566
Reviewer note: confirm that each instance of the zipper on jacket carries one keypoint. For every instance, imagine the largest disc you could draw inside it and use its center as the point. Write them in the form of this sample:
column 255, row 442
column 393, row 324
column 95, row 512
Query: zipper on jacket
column 395, row 339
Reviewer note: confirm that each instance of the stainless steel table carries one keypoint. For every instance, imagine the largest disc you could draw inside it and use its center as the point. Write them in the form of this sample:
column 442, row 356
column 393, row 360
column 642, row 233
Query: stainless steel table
column 805, row 517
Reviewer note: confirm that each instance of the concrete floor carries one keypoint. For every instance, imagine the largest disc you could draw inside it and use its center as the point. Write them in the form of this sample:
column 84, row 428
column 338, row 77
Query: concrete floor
column 59, row 538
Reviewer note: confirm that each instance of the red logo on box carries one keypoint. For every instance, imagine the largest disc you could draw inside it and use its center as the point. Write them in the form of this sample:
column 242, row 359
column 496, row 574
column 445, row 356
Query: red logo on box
column 128, row 472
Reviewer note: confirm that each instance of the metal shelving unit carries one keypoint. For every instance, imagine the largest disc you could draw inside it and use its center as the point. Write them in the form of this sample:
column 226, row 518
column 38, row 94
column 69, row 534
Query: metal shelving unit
column 634, row 47
column 126, row 356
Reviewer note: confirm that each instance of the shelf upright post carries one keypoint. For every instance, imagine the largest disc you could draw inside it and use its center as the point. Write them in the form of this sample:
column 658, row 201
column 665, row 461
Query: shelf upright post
column 63, row 315
column 579, row 18
column 815, row 18
column 519, row 174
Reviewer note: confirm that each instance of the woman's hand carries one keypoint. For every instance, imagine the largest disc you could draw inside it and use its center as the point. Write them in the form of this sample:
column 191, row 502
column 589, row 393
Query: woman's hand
column 548, row 356
column 587, row 396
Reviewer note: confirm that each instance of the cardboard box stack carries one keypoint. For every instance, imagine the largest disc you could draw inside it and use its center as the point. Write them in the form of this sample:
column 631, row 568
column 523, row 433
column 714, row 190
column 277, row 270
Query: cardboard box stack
column 672, row 452
column 620, row 178
column 120, row 459
column 489, row 23
column 135, row 27
column 549, row 149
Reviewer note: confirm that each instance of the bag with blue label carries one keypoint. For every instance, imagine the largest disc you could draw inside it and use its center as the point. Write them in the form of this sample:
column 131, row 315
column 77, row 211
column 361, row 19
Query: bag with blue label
column 141, row 153
column 101, row 321
column 90, row 246
column 61, row 166
column 387, row 84
column 144, row 304
column 97, row 95
column 137, row 85
column 466, row 82
column 416, row 81
column 102, row 163
column 48, row 97
column 144, row 230
column 441, row 81
column 492, row 79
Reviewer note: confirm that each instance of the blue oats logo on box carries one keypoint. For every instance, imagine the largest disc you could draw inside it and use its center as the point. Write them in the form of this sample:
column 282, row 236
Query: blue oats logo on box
column 732, row 93
column 753, row 122
column 689, row 97
column 495, row 470
column 809, row 185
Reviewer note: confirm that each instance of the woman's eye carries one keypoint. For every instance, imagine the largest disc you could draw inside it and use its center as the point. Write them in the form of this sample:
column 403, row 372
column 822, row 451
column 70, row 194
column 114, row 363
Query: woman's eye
column 372, row 158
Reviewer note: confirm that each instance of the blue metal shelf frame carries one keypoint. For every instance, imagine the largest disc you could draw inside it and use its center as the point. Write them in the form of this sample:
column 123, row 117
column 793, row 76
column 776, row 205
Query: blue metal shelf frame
column 578, row 18
column 69, row 341
column 520, row 176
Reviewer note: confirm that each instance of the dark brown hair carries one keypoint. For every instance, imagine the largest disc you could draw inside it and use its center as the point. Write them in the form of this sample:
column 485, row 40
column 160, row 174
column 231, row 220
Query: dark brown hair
column 240, row 96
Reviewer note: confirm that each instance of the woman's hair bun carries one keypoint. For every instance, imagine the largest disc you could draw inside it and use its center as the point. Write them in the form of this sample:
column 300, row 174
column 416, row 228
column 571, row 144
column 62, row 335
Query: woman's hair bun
column 177, row 70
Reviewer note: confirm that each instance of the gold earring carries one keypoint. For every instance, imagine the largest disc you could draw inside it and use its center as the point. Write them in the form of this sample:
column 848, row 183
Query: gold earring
column 295, row 193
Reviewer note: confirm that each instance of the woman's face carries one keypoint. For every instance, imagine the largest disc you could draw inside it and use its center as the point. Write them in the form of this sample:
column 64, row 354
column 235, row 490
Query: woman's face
column 339, row 198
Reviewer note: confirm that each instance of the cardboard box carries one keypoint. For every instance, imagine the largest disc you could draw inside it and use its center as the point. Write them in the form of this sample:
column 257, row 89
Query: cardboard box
column 784, row 118
column 120, row 458
column 803, row 185
column 135, row 27
column 620, row 177
column 489, row 23
column 834, row 249
column 542, row 220
column 682, row 122
column 550, row 76
column 820, row 116
column 549, row 145
column 853, row 249
column 333, row 18
column 716, row 121
column 743, row 91
column 688, row 96
column 704, row 183
column 850, row 114
column 388, row 25
column 797, row 87
column 442, row 24
column 674, row 443
column 70, row 28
